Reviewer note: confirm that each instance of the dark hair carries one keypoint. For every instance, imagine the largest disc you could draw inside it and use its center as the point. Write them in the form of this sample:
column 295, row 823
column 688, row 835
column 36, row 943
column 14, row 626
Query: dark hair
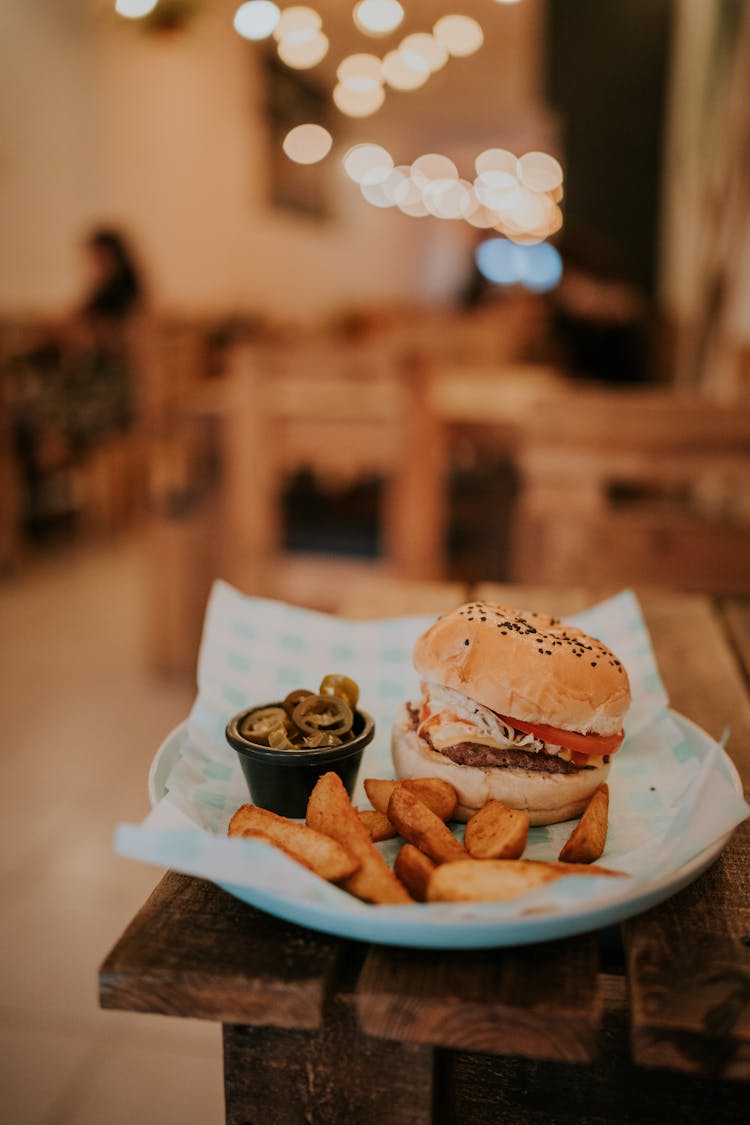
column 116, row 296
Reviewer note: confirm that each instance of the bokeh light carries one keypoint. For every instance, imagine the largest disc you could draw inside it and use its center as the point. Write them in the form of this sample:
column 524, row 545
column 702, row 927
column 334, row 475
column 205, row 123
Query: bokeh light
column 358, row 103
column 378, row 17
column 303, row 55
column 134, row 9
column 497, row 199
column 460, row 35
column 307, row 144
column 297, row 24
column 497, row 261
column 539, row 171
column 367, row 162
column 361, row 73
column 432, row 166
column 538, row 268
column 541, row 267
column 257, row 19
column 376, row 195
column 422, row 51
column 400, row 75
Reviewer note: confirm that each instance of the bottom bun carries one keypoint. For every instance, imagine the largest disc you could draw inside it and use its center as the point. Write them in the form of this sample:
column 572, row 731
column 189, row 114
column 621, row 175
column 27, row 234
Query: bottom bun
column 547, row 797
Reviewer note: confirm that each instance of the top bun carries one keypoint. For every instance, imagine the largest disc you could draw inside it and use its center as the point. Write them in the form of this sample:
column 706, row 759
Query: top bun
column 526, row 666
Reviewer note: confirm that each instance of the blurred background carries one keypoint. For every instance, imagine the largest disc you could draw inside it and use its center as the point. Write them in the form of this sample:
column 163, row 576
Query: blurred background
column 488, row 319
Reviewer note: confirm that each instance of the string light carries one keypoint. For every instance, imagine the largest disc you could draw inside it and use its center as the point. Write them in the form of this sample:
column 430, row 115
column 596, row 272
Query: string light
column 460, row 35
column 257, row 19
column 304, row 52
column 134, row 9
column 497, row 199
column 367, row 162
column 518, row 197
column 307, row 144
column 378, row 17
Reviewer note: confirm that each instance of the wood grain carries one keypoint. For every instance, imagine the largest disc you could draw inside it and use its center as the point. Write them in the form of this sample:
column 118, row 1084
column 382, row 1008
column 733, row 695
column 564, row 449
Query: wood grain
column 737, row 615
column 540, row 1001
column 193, row 950
column 330, row 1076
column 689, row 959
column 481, row 1089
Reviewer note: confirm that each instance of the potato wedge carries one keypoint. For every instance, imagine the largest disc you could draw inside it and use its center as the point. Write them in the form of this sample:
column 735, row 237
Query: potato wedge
column 377, row 824
column 315, row 850
column 488, row 880
column 420, row 826
column 499, row 880
column 587, row 840
column 256, row 834
column 414, row 868
column 496, row 832
column 330, row 811
column 437, row 794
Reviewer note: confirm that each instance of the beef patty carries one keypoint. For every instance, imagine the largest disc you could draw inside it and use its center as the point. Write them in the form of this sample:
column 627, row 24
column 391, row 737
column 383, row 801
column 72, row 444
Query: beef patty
column 475, row 754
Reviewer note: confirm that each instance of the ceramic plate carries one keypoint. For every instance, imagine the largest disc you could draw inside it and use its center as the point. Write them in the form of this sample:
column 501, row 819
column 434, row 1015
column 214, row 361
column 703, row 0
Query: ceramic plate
column 464, row 926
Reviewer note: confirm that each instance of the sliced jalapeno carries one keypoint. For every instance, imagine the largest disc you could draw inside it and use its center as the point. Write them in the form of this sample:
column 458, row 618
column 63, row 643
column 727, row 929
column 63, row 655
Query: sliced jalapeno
column 278, row 739
column 341, row 686
column 257, row 726
column 321, row 738
column 323, row 712
column 293, row 699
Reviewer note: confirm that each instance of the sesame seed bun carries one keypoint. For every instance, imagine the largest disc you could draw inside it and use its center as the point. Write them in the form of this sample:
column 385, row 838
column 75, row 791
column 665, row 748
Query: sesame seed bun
column 527, row 666
column 524, row 666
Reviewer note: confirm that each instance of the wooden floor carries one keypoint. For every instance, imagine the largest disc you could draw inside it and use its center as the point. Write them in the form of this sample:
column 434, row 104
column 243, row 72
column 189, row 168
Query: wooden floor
column 80, row 720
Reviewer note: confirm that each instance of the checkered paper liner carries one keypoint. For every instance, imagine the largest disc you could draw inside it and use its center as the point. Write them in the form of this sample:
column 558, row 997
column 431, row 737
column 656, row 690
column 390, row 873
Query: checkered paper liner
column 667, row 803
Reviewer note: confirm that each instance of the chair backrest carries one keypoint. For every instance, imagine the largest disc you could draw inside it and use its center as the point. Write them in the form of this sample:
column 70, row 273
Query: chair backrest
column 343, row 412
column 635, row 486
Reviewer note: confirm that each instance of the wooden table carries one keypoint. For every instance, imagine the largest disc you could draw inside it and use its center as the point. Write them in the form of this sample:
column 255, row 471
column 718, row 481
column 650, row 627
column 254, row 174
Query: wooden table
column 646, row 1022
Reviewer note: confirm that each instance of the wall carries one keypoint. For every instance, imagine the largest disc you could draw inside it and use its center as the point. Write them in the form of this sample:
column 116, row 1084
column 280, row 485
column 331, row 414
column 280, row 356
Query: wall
column 165, row 135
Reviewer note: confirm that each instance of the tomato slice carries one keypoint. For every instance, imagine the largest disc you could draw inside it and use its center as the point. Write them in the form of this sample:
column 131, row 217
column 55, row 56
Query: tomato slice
column 595, row 745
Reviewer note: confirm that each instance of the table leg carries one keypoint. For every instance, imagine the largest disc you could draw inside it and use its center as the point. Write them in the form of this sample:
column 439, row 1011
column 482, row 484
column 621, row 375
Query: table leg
column 325, row 1077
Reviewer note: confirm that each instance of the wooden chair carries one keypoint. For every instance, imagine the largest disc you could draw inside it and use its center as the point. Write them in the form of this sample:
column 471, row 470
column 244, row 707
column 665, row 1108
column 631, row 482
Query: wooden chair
column 343, row 413
column 626, row 486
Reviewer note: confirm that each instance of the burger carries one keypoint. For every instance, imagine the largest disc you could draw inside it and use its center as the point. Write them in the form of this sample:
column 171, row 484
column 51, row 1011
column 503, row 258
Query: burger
column 515, row 707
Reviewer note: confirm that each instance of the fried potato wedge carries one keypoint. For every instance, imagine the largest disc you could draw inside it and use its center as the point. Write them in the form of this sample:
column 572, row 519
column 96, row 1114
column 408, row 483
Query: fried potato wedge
column 420, row 826
column 256, row 834
column 438, row 795
column 330, row 811
column 487, row 880
column 414, row 868
column 587, row 840
column 377, row 824
column 497, row 832
column 499, row 880
column 315, row 850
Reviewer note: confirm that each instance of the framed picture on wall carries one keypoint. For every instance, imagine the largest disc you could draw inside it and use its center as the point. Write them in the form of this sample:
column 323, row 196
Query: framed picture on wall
column 293, row 99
